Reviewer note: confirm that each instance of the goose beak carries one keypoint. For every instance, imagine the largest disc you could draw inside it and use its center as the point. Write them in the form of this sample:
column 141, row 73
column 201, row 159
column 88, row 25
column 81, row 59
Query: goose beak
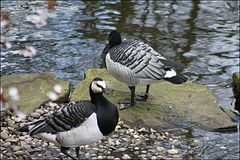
column 105, row 91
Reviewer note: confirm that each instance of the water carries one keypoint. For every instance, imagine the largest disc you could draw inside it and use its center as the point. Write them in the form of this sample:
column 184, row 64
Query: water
column 203, row 35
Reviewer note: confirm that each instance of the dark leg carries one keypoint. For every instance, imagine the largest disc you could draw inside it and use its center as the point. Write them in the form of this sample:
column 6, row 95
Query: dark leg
column 147, row 91
column 143, row 97
column 130, row 103
column 77, row 151
column 64, row 151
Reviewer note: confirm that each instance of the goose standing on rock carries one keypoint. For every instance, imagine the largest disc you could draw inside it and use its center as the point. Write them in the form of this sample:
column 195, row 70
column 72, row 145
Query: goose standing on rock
column 78, row 124
column 136, row 63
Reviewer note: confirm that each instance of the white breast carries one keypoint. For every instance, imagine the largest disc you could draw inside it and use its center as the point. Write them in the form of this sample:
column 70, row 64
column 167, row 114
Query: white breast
column 120, row 72
column 87, row 133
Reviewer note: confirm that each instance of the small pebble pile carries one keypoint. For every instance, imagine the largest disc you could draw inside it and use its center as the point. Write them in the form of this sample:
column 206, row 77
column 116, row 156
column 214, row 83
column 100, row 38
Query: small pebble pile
column 127, row 142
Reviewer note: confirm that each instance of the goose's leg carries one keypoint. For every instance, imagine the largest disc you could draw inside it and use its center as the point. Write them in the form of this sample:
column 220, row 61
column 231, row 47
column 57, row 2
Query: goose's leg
column 77, row 152
column 64, row 151
column 144, row 96
column 126, row 104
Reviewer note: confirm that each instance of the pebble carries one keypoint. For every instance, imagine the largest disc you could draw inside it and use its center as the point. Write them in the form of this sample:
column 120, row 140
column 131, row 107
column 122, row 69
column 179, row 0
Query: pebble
column 143, row 151
column 161, row 149
column 136, row 148
column 35, row 115
column 172, row 151
column 196, row 142
column 122, row 149
column 126, row 156
column 6, row 144
column 16, row 148
column 18, row 120
column 143, row 130
column 100, row 157
column 4, row 135
column 19, row 153
column 40, row 111
column 11, row 122
column 117, row 142
column 126, row 126
column 11, row 140
column 152, row 136
column 110, row 157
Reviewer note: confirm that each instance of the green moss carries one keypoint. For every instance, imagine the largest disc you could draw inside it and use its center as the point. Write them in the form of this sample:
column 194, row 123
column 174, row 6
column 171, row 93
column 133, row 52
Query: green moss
column 168, row 106
column 32, row 88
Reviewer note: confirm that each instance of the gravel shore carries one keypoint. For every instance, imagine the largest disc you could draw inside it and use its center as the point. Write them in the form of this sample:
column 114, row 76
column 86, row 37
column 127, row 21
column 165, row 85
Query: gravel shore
column 127, row 142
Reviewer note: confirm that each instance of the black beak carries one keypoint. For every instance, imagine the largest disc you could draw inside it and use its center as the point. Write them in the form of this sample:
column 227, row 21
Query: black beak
column 105, row 91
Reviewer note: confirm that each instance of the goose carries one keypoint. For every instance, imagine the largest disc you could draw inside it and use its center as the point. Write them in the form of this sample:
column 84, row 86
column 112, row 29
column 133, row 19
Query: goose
column 80, row 123
column 136, row 63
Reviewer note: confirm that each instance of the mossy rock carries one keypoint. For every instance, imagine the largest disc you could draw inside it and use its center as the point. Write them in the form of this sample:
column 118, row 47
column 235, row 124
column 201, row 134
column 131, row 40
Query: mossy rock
column 169, row 105
column 32, row 88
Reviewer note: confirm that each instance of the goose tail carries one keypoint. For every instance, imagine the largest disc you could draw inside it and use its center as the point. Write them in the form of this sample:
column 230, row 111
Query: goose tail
column 175, row 78
column 31, row 128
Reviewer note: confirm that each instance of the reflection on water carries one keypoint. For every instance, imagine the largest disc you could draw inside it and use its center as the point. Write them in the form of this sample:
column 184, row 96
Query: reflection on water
column 204, row 35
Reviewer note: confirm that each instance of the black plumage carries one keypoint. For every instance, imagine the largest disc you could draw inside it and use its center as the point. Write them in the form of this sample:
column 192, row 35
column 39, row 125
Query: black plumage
column 74, row 118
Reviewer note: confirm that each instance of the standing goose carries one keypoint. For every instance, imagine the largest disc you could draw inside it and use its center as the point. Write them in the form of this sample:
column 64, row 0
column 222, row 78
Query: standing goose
column 78, row 124
column 136, row 63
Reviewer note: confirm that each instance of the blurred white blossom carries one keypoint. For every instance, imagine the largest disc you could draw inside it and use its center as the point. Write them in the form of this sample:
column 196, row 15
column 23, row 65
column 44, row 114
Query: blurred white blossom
column 21, row 115
column 28, row 51
column 14, row 94
column 38, row 19
column 4, row 24
column 5, row 20
column 6, row 44
column 57, row 88
column 52, row 96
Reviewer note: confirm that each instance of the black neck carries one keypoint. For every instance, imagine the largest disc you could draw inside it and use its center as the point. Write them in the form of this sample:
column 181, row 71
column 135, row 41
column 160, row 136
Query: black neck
column 96, row 97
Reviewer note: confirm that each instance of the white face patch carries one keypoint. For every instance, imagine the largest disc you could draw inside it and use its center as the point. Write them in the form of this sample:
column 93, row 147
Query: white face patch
column 102, row 83
column 95, row 86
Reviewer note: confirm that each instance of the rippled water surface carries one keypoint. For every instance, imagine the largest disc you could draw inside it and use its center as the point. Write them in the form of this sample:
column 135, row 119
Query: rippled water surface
column 204, row 35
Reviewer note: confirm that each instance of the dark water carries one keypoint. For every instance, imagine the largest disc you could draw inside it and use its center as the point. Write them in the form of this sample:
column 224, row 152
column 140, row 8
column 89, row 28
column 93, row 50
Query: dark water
column 204, row 35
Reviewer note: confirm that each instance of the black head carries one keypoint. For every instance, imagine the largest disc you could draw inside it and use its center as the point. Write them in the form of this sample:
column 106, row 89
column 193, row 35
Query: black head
column 114, row 39
column 97, row 86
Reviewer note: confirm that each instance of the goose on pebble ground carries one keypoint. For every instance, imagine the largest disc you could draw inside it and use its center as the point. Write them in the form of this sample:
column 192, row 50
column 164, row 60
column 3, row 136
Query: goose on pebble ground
column 136, row 63
column 79, row 123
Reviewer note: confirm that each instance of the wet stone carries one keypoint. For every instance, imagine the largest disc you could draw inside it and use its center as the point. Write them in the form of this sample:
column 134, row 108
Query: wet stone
column 110, row 157
column 11, row 140
column 173, row 151
column 40, row 111
column 100, row 157
column 4, row 135
column 6, row 144
column 126, row 156
column 16, row 148
column 152, row 136
column 35, row 115
column 161, row 149
column 19, row 153
column 11, row 122
column 196, row 142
